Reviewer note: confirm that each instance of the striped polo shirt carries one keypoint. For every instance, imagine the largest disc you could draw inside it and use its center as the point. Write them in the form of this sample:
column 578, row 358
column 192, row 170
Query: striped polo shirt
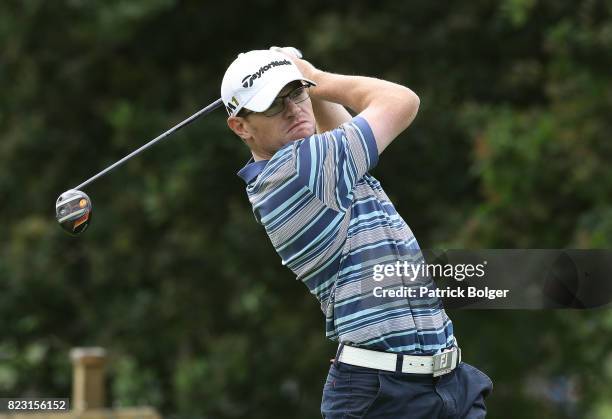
column 331, row 223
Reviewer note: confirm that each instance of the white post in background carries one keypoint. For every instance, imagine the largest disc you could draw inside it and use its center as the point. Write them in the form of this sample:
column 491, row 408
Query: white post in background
column 88, row 387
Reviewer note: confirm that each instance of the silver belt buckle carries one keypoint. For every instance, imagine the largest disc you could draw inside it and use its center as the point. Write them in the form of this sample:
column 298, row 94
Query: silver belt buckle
column 443, row 362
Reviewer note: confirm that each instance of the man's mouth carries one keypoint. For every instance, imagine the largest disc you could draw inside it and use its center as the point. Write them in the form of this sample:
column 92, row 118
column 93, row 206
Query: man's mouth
column 297, row 125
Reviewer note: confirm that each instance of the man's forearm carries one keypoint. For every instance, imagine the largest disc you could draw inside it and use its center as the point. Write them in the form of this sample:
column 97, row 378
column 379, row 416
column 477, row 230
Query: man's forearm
column 357, row 92
column 329, row 115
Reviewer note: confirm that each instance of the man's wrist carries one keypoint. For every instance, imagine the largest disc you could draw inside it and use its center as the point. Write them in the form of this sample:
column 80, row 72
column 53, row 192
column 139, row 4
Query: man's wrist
column 317, row 76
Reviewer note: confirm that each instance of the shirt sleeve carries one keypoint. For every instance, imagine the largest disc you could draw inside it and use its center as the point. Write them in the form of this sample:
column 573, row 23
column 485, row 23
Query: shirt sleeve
column 331, row 163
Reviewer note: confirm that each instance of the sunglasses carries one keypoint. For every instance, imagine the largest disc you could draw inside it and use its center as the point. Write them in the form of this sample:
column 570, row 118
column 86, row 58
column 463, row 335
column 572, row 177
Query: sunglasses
column 297, row 95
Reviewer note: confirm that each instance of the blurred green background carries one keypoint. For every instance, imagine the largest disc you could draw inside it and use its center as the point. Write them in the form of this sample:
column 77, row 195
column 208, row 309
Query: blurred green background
column 511, row 148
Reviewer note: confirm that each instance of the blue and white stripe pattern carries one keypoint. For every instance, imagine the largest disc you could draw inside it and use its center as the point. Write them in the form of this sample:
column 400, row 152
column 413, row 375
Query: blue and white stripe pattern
column 331, row 222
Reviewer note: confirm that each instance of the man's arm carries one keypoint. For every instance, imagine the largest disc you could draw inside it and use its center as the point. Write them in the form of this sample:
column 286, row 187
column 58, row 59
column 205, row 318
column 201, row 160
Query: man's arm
column 328, row 115
column 389, row 108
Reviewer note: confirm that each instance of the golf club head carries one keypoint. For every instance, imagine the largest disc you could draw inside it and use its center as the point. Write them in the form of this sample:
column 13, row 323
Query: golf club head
column 73, row 211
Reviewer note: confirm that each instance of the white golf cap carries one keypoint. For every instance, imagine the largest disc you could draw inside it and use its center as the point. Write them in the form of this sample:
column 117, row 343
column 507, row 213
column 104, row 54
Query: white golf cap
column 255, row 78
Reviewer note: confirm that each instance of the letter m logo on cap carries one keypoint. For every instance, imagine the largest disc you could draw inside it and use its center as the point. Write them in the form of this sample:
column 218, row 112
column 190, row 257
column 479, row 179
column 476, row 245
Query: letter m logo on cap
column 231, row 107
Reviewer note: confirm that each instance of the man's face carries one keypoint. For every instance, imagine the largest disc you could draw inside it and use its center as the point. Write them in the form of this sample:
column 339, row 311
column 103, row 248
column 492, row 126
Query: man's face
column 265, row 135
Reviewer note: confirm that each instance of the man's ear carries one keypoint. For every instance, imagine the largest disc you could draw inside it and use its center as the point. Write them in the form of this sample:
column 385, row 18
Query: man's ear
column 240, row 127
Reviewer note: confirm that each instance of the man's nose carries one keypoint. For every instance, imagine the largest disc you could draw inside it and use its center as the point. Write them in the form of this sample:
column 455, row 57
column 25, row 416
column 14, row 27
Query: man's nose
column 291, row 108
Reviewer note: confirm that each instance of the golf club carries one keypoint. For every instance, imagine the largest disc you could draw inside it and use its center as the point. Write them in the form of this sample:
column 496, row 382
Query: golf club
column 73, row 208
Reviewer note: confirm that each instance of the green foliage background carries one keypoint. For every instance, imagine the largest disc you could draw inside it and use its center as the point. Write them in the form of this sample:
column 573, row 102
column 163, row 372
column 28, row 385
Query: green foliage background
column 511, row 148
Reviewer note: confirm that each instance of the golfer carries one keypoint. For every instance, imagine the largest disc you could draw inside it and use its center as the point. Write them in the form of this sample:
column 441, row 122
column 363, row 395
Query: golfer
column 333, row 226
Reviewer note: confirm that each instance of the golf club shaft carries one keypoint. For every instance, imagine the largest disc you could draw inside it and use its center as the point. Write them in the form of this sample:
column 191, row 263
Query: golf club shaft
column 217, row 103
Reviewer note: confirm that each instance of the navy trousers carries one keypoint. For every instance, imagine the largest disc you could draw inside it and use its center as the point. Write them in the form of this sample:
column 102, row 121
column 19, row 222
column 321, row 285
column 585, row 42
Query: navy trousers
column 357, row 392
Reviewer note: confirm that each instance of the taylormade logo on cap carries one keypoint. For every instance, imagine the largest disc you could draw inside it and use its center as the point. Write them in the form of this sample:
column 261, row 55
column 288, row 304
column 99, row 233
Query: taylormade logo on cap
column 255, row 78
column 248, row 80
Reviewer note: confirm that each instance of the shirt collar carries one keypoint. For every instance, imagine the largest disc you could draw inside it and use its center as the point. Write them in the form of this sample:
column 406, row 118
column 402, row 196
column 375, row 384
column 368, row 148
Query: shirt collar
column 252, row 169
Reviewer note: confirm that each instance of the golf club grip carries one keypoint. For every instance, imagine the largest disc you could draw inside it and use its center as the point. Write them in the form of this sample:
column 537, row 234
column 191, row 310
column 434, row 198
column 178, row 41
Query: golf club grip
column 204, row 111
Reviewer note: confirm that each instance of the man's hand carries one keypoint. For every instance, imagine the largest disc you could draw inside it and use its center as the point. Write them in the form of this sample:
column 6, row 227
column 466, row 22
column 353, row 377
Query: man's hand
column 290, row 51
column 307, row 69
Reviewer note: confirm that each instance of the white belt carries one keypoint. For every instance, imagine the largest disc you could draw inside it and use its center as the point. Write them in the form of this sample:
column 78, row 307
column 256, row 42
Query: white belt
column 436, row 365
